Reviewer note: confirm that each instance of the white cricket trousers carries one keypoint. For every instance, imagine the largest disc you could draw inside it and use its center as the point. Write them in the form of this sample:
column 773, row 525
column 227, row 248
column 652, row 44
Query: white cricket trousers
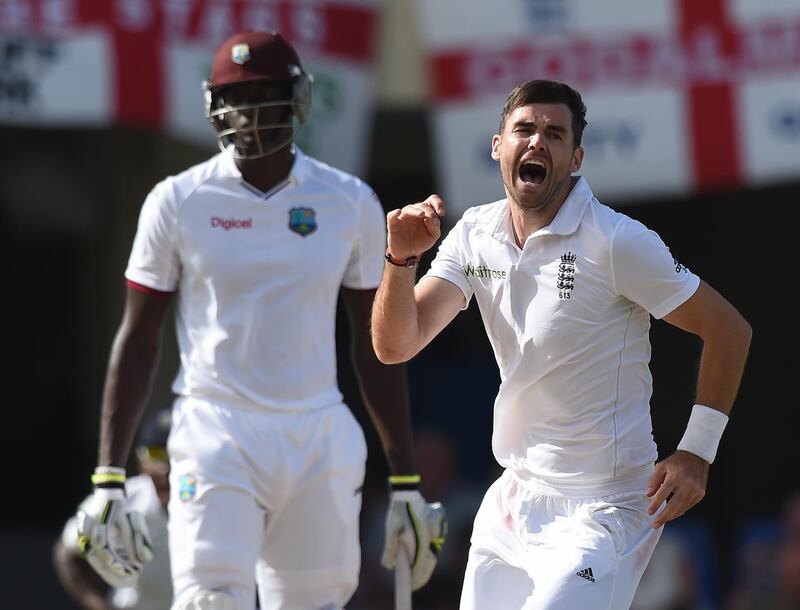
column 532, row 551
column 271, row 498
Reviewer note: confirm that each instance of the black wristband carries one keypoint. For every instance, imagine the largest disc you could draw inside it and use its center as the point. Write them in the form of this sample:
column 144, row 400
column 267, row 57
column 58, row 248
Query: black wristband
column 110, row 486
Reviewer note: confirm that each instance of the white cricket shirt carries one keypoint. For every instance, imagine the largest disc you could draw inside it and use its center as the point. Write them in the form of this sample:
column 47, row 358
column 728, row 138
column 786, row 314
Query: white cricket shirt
column 258, row 276
column 568, row 318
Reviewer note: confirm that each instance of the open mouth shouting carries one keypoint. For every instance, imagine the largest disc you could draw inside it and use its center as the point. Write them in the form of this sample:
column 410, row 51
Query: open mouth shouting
column 532, row 172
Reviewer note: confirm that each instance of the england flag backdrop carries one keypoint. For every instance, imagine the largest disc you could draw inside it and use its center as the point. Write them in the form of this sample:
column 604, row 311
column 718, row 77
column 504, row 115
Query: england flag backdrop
column 683, row 95
column 141, row 63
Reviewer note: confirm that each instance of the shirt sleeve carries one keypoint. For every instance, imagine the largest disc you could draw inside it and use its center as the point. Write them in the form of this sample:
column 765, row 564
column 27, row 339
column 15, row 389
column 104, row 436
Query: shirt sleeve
column 154, row 260
column 366, row 259
column 449, row 262
column 645, row 272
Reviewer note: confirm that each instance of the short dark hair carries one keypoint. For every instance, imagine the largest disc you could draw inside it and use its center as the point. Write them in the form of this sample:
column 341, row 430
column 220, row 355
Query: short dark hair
column 547, row 92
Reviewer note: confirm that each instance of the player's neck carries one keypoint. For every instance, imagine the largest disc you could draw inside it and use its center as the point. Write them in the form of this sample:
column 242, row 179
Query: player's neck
column 526, row 220
column 266, row 172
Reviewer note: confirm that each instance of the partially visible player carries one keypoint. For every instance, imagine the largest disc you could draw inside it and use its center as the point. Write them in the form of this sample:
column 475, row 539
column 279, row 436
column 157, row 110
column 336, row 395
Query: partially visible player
column 147, row 493
column 566, row 287
column 256, row 245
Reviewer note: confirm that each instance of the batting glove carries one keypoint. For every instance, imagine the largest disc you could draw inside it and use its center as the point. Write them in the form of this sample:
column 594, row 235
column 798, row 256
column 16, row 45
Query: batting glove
column 113, row 540
column 418, row 526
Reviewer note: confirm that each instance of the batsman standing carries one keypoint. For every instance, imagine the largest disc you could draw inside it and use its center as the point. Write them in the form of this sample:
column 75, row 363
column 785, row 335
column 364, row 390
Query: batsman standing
column 566, row 287
column 267, row 463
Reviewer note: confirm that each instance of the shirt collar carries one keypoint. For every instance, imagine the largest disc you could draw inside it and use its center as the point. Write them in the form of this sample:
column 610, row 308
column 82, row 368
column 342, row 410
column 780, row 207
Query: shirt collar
column 297, row 175
column 566, row 220
column 502, row 228
column 300, row 168
column 571, row 212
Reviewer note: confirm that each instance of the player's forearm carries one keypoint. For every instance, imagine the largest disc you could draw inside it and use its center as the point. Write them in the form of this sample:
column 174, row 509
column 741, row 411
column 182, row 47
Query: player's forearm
column 722, row 362
column 396, row 332
column 132, row 366
column 385, row 392
column 78, row 579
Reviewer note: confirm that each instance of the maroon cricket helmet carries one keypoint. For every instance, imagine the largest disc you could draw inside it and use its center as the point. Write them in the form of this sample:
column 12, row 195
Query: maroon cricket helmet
column 250, row 56
column 257, row 56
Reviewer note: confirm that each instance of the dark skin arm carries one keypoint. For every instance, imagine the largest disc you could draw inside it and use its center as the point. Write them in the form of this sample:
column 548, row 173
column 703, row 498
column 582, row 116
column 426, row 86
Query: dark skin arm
column 79, row 580
column 383, row 387
column 131, row 368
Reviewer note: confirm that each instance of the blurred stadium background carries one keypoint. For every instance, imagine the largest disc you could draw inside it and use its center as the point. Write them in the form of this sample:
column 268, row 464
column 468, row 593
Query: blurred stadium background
column 694, row 129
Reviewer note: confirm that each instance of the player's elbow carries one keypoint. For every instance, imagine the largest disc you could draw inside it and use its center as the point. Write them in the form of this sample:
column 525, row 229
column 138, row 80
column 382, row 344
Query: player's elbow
column 731, row 332
column 390, row 355
column 389, row 346
column 390, row 349
column 395, row 344
column 745, row 331
column 737, row 328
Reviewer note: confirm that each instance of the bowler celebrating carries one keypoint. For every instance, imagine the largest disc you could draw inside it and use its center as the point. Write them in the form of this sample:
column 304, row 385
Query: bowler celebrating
column 566, row 287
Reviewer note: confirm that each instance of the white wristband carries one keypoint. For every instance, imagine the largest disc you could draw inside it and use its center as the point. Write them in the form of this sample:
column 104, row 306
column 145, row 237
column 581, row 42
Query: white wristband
column 703, row 432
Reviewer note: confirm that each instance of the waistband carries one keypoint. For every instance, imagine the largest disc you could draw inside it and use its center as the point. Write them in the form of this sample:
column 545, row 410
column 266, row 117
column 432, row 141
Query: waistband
column 637, row 483
column 240, row 403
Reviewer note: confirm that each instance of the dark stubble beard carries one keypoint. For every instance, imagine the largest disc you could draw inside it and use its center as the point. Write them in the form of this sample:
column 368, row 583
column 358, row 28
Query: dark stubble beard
column 545, row 203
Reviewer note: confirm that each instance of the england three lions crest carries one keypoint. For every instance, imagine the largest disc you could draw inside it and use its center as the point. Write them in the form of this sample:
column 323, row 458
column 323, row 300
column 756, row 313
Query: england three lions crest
column 565, row 280
column 303, row 221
